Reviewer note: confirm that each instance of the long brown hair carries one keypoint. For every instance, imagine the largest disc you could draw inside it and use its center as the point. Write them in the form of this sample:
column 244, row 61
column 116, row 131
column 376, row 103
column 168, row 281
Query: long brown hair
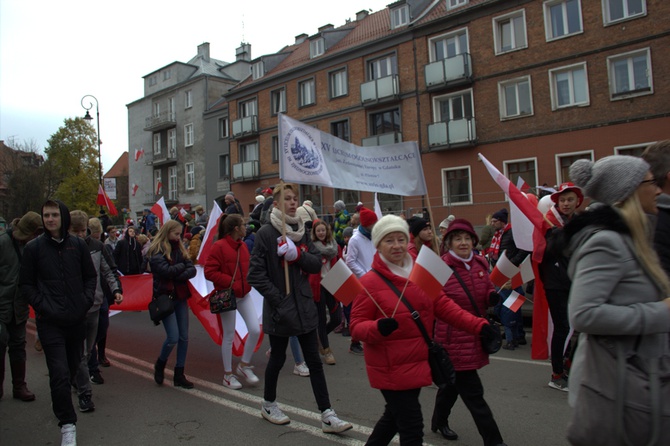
column 227, row 223
column 329, row 232
column 161, row 244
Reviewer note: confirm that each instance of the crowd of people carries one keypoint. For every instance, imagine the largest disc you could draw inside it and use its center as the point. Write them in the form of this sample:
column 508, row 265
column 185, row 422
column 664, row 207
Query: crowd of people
column 604, row 273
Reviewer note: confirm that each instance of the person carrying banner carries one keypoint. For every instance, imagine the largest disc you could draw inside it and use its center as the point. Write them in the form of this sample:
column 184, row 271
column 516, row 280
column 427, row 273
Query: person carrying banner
column 280, row 263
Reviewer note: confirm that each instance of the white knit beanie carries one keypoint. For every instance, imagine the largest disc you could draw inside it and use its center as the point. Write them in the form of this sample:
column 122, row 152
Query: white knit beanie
column 611, row 179
column 260, row 199
column 386, row 225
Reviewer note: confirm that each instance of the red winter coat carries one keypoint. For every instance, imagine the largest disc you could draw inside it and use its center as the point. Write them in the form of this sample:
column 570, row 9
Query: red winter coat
column 315, row 279
column 465, row 349
column 220, row 266
column 400, row 361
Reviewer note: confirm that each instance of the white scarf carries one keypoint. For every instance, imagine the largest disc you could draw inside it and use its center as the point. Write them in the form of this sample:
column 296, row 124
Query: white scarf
column 295, row 235
column 402, row 271
column 466, row 262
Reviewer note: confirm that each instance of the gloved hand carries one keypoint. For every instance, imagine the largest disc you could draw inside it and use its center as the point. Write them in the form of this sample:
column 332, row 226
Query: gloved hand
column 507, row 285
column 494, row 298
column 387, row 325
column 490, row 338
column 287, row 249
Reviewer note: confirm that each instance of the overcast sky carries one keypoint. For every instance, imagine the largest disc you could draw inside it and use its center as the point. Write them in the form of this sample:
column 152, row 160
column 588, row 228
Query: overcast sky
column 54, row 53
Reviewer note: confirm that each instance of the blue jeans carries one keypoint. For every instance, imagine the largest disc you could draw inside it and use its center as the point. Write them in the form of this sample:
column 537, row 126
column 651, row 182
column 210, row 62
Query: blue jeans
column 176, row 329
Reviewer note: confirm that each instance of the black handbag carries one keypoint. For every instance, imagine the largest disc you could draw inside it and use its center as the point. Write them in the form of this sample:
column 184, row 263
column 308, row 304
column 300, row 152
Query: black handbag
column 221, row 301
column 161, row 307
column 490, row 346
column 441, row 368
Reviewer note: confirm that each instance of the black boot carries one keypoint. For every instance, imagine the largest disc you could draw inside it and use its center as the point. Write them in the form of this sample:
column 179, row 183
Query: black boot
column 20, row 390
column 159, row 371
column 180, row 380
column 2, row 371
column 446, row 432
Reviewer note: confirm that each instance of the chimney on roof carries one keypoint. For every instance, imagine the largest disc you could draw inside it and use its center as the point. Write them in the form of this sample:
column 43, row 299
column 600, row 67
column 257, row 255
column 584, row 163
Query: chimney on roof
column 203, row 51
column 360, row 15
column 243, row 52
column 300, row 38
column 326, row 27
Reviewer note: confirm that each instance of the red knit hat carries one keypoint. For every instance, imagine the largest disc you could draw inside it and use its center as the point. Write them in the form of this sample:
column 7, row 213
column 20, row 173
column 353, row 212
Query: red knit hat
column 367, row 217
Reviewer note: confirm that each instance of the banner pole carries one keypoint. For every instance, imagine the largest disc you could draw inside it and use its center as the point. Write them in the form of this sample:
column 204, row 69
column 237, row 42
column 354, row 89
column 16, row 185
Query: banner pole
column 283, row 231
column 434, row 243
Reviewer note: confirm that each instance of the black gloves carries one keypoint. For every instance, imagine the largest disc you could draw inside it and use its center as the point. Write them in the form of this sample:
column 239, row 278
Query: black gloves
column 387, row 325
column 491, row 338
column 494, row 298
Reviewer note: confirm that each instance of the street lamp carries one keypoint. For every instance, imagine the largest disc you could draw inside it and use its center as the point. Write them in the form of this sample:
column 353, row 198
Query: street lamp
column 88, row 117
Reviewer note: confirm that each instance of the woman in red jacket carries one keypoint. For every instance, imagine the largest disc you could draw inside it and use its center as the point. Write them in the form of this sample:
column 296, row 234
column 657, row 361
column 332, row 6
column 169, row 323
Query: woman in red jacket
column 465, row 349
column 396, row 354
column 228, row 263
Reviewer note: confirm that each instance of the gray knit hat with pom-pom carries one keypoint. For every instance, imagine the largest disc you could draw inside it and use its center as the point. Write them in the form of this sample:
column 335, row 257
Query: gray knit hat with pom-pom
column 611, row 179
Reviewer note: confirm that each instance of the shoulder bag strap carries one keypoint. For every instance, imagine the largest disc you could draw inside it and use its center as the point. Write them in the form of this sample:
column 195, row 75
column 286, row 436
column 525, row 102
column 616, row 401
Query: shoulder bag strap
column 467, row 291
column 414, row 313
column 237, row 263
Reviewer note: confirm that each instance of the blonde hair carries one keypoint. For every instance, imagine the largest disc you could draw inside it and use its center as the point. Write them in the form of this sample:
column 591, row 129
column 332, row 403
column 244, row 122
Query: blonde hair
column 94, row 225
column 78, row 220
column 161, row 244
column 636, row 220
column 285, row 186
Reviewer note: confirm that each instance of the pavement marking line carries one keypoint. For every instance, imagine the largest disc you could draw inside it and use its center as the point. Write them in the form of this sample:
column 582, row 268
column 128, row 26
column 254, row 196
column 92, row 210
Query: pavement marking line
column 523, row 361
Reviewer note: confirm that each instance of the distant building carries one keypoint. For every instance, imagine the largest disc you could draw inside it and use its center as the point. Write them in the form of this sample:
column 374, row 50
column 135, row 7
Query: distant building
column 13, row 201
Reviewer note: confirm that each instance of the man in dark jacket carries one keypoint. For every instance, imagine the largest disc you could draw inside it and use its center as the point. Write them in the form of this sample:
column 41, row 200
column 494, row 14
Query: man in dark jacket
column 658, row 157
column 59, row 279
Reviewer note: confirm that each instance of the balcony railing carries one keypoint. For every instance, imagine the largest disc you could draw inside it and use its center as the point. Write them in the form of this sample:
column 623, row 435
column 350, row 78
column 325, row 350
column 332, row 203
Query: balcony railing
column 161, row 121
column 460, row 132
column 380, row 89
column 248, row 170
column 453, row 71
column 382, row 140
column 245, row 126
column 165, row 157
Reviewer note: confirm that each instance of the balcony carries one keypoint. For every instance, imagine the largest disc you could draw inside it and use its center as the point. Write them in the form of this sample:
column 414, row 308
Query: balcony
column 165, row 157
column 161, row 121
column 382, row 140
column 245, row 126
column 248, row 170
column 451, row 72
column 452, row 134
column 379, row 90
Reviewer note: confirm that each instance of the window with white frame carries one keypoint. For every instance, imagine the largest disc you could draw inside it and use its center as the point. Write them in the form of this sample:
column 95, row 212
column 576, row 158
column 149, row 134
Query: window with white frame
column 448, row 45
column 157, row 109
column 278, row 101
column 317, row 47
column 188, row 135
column 569, row 86
column 456, row 186
column 619, row 10
column 382, row 67
column 453, row 107
column 451, row 4
column 275, row 149
column 306, row 92
column 632, row 150
column 249, row 152
column 515, row 98
column 158, row 182
column 190, row 175
column 400, row 16
column 522, row 168
column 157, row 143
column 223, row 128
column 224, row 166
column 172, row 142
column 338, row 83
column 562, row 18
column 248, row 108
column 188, row 99
column 171, row 108
column 630, row 74
column 509, row 32
column 172, row 183
column 258, row 70
column 565, row 161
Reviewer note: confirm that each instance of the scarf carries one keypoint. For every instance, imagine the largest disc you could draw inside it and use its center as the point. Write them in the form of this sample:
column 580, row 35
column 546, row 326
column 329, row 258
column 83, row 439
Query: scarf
column 494, row 248
column 365, row 232
column 402, row 271
column 328, row 251
column 294, row 234
column 466, row 262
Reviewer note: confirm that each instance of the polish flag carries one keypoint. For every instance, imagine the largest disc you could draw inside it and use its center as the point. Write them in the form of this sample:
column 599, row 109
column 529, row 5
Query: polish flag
column 430, row 272
column 342, row 283
column 103, row 200
column 161, row 211
column 138, row 154
column 210, row 232
column 525, row 273
column 514, row 301
column 503, row 271
column 378, row 208
column 135, row 187
column 159, row 187
column 522, row 185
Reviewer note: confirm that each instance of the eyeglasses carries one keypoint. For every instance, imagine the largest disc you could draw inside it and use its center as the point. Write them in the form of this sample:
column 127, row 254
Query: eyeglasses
column 653, row 182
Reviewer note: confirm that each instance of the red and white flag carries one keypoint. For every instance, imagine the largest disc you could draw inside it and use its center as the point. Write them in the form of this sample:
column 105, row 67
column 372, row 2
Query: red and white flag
column 159, row 188
column 503, row 271
column 135, row 187
column 522, row 185
column 514, row 301
column 103, row 200
column 161, row 211
column 430, row 272
column 342, row 283
column 525, row 273
column 139, row 153
column 210, row 232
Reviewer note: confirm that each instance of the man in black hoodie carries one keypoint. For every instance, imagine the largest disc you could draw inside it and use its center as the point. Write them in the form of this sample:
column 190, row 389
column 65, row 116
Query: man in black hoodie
column 59, row 279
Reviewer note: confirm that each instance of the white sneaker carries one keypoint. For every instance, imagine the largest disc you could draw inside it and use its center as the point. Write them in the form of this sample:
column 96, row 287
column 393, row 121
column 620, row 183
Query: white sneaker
column 231, row 382
column 301, row 369
column 248, row 373
column 331, row 424
column 69, row 432
column 273, row 413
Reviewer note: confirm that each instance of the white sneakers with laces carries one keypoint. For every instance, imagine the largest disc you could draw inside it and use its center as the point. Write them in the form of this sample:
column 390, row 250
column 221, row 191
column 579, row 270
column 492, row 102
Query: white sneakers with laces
column 248, row 373
column 230, row 381
column 301, row 369
column 331, row 424
column 69, row 433
column 273, row 413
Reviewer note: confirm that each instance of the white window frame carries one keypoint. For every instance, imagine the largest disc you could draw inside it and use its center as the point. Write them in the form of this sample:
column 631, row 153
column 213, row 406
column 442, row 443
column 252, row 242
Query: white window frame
column 455, row 35
column 158, row 178
column 437, row 100
column 189, row 135
column 223, row 128
column 510, row 18
column 317, row 47
column 388, row 64
column 249, row 152
column 157, row 144
column 248, row 108
column 172, row 142
column 258, row 70
column 172, row 180
column 451, row 4
column 503, row 99
column 559, row 156
column 607, row 20
column 554, row 90
column 634, row 91
column 278, row 101
column 307, row 92
column 400, row 16
column 445, row 187
column 548, row 22
column 189, row 176
column 157, row 109
column 338, row 83
column 621, row 150
column 188, row 99
column 506, row 164
column 170, row 102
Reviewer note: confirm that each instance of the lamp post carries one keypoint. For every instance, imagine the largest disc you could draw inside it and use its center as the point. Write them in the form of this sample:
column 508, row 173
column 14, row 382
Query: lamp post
column 88, row 117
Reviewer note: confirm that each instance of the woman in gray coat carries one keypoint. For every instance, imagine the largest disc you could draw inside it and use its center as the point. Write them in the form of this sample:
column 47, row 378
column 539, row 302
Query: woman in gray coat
column 618, row 302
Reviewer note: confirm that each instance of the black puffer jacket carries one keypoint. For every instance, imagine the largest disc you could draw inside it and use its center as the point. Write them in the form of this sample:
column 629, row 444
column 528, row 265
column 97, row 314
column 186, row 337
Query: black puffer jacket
column 171, row 277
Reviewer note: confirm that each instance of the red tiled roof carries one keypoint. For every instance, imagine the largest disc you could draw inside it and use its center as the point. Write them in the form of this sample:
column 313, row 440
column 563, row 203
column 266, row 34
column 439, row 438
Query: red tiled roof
column 120, row 167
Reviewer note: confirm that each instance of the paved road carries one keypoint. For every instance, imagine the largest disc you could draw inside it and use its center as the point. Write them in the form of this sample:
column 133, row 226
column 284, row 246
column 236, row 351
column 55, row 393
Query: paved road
column 132, row 410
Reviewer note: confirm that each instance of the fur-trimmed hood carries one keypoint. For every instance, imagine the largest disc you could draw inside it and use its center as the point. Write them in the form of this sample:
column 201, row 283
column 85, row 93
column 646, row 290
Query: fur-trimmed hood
column 597, row 217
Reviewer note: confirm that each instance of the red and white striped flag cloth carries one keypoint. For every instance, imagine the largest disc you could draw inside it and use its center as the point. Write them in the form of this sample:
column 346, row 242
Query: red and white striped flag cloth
column 430, row 272
column 210, row 232
column 161, row 211
column 138, row 154
column 503, row 271
column 159, row 188
column 524, row 275
column 135, row 187
column 514, row 301
column 342, row 283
